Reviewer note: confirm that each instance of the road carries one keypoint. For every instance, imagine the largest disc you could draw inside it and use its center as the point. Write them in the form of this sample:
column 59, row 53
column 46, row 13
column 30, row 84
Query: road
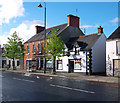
column 20, row 87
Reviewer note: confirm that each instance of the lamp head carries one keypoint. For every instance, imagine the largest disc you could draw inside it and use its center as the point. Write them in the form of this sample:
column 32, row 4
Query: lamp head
column 40, row 6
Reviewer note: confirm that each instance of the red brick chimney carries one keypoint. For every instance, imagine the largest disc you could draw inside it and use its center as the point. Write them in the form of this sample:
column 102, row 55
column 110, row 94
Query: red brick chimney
column 39, row 29
column 100, row 30
column 73, row 20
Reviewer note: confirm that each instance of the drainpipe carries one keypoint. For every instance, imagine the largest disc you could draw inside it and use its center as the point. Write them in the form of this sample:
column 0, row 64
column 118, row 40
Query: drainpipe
column 86, row 64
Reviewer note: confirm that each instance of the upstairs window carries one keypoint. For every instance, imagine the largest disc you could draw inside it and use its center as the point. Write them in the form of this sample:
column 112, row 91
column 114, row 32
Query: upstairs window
column 34, row 49
column 39, row 48
column 28, row 49
column 118, row 47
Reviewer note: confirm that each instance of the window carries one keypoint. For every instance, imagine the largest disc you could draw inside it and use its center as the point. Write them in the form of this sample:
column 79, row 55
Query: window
column 77, row 64
column 18, row 63
column 59, row 64
column 118, row 47
column 39, row 48
column 28, row 49
column 49, row 64
column 34, row 49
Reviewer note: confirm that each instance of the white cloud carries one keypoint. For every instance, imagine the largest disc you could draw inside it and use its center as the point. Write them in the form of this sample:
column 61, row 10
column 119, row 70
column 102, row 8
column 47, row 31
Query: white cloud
column 88, row 26
column 27, row 29
column 115, row 20
column 10, row 9
column 3, row 39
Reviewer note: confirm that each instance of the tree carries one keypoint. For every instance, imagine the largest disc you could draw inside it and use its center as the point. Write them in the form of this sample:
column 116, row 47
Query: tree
column 14, row 49
column 54, row 48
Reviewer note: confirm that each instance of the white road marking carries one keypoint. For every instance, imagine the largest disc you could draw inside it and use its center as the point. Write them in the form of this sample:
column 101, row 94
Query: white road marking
column 24, row 80
column 80, row 90
column 51, row 78
column 1, row 76
column 27, row 74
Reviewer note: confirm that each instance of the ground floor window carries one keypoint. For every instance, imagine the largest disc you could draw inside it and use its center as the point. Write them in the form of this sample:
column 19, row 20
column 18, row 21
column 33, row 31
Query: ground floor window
column 77, row 64
column 116, row 67
column 59, row 65
column 49, row 64
column 31, row 65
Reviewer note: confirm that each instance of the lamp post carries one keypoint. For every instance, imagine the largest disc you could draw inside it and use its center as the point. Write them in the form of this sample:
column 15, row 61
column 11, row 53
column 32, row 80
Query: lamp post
column 40, row 6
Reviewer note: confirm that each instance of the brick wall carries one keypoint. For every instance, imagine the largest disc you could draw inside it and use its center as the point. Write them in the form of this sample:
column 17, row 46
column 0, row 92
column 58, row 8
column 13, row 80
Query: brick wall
column 31, row 55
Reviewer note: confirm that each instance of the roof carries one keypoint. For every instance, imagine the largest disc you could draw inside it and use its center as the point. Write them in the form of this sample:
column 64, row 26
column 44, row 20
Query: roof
column 70, row 42
column 115, row 34
column 64, row 31
column 40, row 36
column 86, row 42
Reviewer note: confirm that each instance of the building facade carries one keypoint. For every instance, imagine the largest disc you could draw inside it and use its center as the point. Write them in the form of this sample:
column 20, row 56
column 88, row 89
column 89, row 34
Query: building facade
column 34, row 46
column 113, row 53
column 86, row 56
column 8, row 63
column 85, row 53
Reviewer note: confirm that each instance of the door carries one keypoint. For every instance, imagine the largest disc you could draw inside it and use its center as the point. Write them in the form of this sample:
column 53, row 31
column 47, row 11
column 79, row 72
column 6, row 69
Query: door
column 9, row 63
column 116, row 66
column 71, row 66
column 3, row 63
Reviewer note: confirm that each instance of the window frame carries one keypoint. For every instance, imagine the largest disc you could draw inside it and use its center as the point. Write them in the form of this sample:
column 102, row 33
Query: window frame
column 28, row 48
column 33, row 48
column 57, row 65
column 39, row 48
column 117, row 48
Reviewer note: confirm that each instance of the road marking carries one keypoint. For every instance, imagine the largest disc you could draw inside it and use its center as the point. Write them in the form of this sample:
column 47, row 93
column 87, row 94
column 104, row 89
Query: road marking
column 80, row 90
column 27, row 74
column 24, row 80
column 1, row 76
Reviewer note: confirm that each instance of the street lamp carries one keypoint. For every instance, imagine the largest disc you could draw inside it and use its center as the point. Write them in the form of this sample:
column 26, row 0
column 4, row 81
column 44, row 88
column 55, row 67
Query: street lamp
column 40, row 6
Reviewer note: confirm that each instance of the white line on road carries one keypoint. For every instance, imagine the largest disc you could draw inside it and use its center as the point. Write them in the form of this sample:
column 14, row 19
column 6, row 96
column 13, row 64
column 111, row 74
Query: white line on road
column 72, row 88
column 1, row 76
column 24, row 80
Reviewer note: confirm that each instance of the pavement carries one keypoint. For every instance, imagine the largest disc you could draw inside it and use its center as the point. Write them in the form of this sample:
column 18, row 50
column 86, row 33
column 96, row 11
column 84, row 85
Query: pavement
column 79, row 76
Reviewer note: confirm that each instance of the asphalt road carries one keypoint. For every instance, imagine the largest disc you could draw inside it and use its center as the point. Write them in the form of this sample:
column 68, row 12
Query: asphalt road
column 20, row 87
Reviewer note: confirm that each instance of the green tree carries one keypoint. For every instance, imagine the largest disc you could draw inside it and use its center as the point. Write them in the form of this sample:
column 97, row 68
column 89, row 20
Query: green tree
column 14, row 49
column 54, row 48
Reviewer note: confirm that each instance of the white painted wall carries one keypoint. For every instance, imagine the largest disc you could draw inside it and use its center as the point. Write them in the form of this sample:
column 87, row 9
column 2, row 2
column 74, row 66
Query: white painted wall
column 99, row 55
column 111, row 51
column 65, row 61
column 7, row 62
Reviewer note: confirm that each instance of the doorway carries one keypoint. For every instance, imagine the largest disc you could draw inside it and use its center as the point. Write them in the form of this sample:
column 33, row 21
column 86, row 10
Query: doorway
column 116, row 67
column 71, row 66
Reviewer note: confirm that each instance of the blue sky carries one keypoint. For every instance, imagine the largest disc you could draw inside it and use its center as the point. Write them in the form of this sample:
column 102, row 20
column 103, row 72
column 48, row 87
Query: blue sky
column 25, row 15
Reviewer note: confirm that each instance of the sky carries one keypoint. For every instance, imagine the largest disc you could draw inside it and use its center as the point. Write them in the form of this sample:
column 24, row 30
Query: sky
column 23, row 16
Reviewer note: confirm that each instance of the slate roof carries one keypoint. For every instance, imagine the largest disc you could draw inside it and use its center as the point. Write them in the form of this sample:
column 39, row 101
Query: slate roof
column 70, row 42
column 64, row 31
column 115, row 34
column 86, row 42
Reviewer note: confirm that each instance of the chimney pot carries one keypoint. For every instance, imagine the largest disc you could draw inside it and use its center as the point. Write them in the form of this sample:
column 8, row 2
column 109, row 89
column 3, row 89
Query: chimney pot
column 100, row 30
